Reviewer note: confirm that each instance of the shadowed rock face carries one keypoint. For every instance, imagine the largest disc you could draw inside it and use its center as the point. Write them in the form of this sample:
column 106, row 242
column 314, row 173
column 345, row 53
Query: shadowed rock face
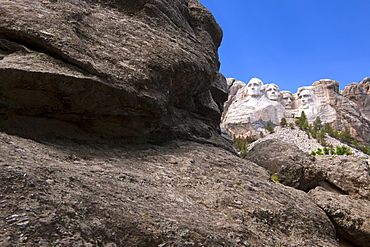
column 133, row 70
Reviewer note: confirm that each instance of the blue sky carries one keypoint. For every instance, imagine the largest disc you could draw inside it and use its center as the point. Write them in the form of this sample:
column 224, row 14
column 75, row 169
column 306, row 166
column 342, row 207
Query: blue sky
column 294, row 43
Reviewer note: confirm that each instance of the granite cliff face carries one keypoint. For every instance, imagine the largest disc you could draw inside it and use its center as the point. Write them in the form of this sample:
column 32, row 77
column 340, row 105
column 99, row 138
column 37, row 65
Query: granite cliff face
column 128, row 70
column 247, row 115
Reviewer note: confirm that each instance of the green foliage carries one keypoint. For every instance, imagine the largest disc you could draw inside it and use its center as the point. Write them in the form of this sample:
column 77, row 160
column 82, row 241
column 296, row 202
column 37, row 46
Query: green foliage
column 283, row 122
column 301, row 121
column 314, row 133
column 323, row 142
column 243, row 151
column 269, row 127
column 343, row 151
column 261, row 134
column 308, row 134
column 322, row 134
column 275, row 178
column 366, row 149
column 317, row 124
column 345, row 136
column 326, row 151
column 319, row 151
column 329, row 130
column 291, row 125
column 305, row 126
column 239, row 141
column 241, row 144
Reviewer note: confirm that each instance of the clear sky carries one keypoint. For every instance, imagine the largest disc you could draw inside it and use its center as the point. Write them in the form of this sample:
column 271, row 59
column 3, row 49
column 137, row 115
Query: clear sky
column 294, row 43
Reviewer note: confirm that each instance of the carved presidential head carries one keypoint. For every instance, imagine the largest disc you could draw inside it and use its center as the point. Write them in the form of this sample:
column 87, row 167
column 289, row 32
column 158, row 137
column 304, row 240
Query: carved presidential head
column 305, row 96
column 272, row 91
column 287, row 99
column 254, row 87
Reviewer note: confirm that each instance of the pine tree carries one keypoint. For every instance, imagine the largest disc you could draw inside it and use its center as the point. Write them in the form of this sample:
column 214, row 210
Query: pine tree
column 283, row 122
column 269, row 127
column 301, row 121
column 317, row 123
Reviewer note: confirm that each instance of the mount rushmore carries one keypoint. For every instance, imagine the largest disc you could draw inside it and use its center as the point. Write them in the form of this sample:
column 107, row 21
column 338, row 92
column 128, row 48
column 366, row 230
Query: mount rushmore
column 252, row 105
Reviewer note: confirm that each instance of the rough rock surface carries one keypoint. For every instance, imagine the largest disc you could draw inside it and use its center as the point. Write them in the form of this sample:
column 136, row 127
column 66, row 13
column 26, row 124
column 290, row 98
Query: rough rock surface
column 291, row 165
column 342, row 183
column 178, row 194
column 345, row 196
column 132, row 70
column 350, row 215
column 323, row 99
column 349, row 174
column 348, row 113
column 360, row 94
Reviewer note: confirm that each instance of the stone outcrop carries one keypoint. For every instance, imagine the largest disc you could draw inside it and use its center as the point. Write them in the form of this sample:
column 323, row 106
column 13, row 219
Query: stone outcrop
column 339, row 185
column 178, row 194
column 288, row 163
column 351, row 175
column 345, row 196
column 323, row 99
column 349, row 214
column 127, row 70
column 360, row 94
column 348, row 113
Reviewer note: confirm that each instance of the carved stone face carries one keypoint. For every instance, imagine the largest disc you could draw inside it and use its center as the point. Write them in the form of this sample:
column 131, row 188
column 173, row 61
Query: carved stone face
column 254, row 87
column 305, row 97
column 272, row 92
column 287, row 100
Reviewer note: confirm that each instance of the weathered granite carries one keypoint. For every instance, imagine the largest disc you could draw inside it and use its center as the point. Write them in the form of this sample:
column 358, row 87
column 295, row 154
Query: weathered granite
column 340, row 185
column 288, row 163
column 117, row 70
column 349, row 174
column 350, row 215
column 176, row 194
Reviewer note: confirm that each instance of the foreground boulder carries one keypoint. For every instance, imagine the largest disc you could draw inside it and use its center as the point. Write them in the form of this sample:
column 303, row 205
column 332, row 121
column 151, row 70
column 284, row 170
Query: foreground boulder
column 128, row 70
column 348, row 174
column 350, row 215
column 338, row 184
column 178, row 194
column 345, row 196
column 288, row 163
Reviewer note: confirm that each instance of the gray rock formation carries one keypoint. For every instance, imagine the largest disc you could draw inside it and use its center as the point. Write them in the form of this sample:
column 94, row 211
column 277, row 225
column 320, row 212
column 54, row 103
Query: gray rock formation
column 288, row 163
column 178, row 194
column 348, row 113
column 351, row 175
column 127, row 70
column 360, row 94
column 350, row 215
column 339, row 185
column 345, row 196
column 323, row 99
